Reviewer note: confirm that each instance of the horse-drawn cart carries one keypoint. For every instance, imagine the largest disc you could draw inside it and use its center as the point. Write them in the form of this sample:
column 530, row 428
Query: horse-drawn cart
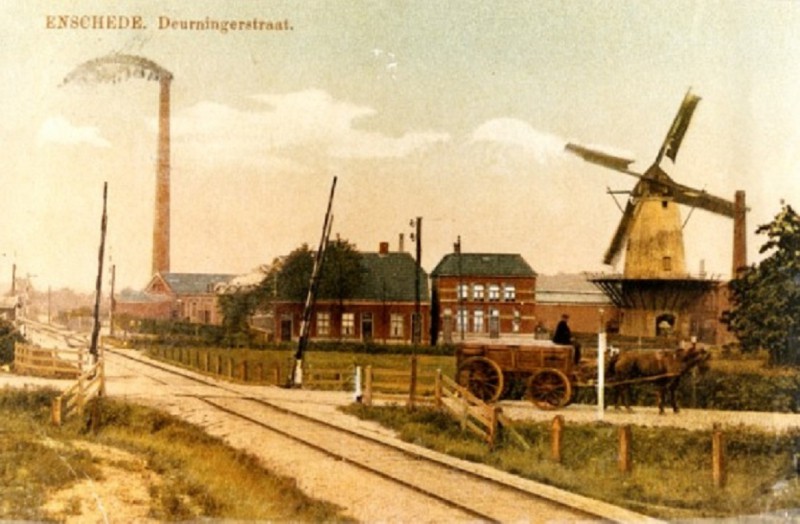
column 489, row 370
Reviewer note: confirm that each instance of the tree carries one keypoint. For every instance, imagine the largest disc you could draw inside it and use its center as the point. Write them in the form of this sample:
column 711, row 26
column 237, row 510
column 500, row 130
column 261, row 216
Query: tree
column 288, row 279
column 766, row 297
column 340, row 276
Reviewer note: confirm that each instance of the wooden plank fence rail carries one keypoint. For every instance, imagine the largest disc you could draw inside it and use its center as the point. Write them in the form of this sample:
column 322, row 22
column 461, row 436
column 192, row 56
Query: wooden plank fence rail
column 222, row 366
column 398, row 385
column 474, row 414
column 89, row 384
column 48, row 362
column 335, row 378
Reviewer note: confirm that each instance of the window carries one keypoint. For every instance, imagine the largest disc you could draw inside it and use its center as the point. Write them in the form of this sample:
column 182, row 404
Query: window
column 477, row 292
column 666, row 263
column 396, row 326
column 517, row 321
column 461, row 322
column 462, row 291
column 323, row 324
column 494, row 292
column 348, row 324
column 477, row 324
column 509, row 293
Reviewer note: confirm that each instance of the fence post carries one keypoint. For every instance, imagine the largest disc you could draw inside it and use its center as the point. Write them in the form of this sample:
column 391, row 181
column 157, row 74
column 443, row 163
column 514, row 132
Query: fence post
column 367, row 397
column 56, row 409
column 625, row 449
column 412, row 389
column 219, row 364
column 205, row 361
column 437, row 389
column 230, row 367
column 243, row 370
column 494, row 416
column 80, row 395
column 557, row 429
column 276, row 373
column 102, row 369
column 718, row 456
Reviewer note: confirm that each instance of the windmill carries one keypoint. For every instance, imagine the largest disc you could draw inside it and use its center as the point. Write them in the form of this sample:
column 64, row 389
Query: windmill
column 655, row 284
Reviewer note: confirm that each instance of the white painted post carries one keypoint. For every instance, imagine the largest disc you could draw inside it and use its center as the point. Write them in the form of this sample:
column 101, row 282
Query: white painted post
column 601, row 369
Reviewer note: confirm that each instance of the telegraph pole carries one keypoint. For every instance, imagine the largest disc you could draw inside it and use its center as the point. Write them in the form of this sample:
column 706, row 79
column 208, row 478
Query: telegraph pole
column 459, row 294
column 99, row 284
column 112, row 302
column 416, row 328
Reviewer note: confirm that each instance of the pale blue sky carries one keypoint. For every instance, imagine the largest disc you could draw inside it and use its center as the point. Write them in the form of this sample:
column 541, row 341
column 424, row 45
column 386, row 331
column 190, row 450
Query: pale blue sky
column 453, row 111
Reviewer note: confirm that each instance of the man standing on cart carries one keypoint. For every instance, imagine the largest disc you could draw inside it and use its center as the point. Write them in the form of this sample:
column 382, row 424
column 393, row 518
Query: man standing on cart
column 563, row 335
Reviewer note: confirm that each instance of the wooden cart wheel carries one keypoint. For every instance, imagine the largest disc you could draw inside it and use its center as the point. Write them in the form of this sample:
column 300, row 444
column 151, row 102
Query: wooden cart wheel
column 482, row 377
column 549, row 389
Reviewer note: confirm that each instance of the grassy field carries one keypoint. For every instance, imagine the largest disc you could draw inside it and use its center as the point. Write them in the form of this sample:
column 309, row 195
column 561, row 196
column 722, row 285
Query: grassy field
column 671, row 476
column 198, row 475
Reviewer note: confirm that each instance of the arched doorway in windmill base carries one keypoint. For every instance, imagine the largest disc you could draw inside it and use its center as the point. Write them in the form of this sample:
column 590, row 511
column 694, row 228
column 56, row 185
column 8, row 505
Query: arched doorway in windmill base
column 665, row 324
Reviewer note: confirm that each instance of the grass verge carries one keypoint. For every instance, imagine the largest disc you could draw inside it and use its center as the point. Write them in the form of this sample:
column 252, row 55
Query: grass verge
column 200, row 476
column 671, row 476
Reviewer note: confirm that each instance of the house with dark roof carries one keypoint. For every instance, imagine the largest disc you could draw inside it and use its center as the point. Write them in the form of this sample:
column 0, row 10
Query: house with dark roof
column 187, row 297
column 381, row 308
column 482, row 294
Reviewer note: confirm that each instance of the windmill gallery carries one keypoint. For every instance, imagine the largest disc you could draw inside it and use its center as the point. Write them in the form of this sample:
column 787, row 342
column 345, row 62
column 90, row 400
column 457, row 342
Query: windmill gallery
column 655, row 293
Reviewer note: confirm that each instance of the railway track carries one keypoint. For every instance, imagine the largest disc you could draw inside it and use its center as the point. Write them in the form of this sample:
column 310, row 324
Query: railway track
column 468, row 492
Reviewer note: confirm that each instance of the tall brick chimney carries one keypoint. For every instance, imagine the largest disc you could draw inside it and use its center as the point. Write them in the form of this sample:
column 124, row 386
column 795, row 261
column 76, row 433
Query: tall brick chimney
column 739, row 234
column 162, row 211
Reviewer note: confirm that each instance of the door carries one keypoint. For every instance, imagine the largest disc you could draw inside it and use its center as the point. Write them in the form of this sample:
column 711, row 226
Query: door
column 286, row 329
column 366, row 326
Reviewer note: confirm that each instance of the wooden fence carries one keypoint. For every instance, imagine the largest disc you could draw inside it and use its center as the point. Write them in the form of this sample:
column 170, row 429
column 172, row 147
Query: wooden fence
column 90, row 383
column 224, row 366
column 47, row 362
column 401, row 385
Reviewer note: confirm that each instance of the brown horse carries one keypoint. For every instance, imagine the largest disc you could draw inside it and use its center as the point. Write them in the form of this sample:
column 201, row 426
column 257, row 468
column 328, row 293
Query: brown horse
column 664, row 368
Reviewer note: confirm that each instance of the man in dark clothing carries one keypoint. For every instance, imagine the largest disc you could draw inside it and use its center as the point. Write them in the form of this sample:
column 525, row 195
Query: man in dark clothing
column 563, row 335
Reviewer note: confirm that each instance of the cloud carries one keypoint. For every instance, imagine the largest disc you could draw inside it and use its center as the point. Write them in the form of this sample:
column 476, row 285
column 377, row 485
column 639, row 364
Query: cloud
column 310, row 119
column 544, row 146
column 59, row 130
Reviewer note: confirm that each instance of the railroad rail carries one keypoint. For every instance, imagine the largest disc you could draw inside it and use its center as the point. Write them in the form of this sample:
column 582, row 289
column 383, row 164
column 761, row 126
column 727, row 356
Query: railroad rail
column 475, row 491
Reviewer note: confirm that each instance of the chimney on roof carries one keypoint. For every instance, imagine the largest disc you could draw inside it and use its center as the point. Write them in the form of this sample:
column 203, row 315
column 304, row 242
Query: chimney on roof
column 401, row 244
column 384, row 248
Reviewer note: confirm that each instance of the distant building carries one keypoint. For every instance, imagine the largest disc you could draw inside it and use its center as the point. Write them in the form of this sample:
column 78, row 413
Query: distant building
column 9, row 307
column 186, row 297
column 573, row 294
column 381, row 309
column 483, row 294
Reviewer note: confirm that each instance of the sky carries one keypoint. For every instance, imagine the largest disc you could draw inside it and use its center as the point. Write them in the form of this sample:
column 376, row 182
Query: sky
column 454, row 112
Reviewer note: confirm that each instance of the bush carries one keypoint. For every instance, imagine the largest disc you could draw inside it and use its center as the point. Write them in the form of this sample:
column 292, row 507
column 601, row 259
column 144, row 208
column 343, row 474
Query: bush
column 8, row 336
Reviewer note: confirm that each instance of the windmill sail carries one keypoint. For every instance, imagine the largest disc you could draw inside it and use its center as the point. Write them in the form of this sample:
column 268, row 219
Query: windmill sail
column 674, row 137
column 596, row 156
column 620, row 235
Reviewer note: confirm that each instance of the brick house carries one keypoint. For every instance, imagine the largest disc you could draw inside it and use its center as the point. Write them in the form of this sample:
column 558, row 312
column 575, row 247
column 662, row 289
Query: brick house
column 381, row 309
column 187, row 297
column 483, row 294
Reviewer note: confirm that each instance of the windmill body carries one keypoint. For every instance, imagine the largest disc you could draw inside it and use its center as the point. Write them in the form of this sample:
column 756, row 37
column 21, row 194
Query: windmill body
column 655, row 242
column 655, row 292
